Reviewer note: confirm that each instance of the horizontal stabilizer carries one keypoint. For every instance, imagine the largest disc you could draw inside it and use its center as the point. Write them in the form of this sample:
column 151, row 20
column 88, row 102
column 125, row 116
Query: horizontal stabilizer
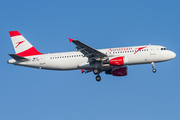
column 18, row 58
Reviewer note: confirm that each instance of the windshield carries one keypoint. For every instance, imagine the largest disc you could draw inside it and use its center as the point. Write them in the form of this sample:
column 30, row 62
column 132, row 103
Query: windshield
column 164, row 49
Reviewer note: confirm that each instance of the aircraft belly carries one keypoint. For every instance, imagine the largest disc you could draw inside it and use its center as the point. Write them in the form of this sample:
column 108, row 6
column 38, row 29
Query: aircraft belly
column 28, row 64
column 137, row 59
column 143, row 59
column 64, row 64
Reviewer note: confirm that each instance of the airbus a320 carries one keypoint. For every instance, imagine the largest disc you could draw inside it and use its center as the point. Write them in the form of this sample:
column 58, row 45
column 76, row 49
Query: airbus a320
column 112, row 61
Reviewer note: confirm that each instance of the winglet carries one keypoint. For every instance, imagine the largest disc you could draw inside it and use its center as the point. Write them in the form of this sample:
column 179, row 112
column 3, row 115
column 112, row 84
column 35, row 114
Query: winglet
column 82, row 71
column 70, row 40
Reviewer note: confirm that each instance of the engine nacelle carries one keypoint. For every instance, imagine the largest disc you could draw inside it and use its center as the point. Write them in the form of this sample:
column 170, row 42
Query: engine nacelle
column 118, row 71
column 117, row 61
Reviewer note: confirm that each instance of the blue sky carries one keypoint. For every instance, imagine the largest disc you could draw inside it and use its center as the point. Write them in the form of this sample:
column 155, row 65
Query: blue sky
column 33, row 94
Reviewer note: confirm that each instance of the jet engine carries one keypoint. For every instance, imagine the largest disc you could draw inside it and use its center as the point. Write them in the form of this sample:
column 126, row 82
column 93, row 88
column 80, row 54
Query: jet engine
column 116, row 61
column 122, row 71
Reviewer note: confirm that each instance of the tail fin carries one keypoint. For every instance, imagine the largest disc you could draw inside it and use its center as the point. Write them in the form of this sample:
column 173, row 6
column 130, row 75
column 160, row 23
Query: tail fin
column 21, row 46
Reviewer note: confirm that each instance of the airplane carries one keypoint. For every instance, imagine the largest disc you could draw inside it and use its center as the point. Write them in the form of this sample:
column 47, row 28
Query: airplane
column 112, row 61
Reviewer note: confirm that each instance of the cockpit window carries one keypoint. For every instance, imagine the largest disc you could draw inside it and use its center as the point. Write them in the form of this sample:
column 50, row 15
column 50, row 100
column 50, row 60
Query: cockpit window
column 163, row 48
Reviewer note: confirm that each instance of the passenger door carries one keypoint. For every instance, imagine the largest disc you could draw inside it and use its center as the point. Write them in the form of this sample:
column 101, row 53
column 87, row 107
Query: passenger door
column 152, row 50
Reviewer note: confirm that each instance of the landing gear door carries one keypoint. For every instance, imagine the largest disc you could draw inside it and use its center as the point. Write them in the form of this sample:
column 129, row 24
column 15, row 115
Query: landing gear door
column 152, row 50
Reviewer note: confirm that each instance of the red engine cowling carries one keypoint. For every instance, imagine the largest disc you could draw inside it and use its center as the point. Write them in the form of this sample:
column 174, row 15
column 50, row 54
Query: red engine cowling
column 120, row 71
column 117, row 61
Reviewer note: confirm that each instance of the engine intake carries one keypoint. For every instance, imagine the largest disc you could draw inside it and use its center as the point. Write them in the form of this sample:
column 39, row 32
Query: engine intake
column 122, row 71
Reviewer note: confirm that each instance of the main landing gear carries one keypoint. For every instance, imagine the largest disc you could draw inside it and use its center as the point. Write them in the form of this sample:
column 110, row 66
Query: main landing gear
column 98, row 78
column 96, row 72
column 154, row 70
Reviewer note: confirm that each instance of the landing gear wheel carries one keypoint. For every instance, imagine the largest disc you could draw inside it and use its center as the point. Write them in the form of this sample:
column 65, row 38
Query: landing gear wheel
column 98, row 78
column 153, row 66
column 154, row 70
column 96, row 71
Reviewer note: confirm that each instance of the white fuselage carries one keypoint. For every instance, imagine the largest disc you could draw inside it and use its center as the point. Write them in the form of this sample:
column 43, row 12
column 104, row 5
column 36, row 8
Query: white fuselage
column 76, row 60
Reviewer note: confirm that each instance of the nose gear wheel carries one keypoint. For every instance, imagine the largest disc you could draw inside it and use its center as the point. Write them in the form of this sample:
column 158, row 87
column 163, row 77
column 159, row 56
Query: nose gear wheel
column 154, row 70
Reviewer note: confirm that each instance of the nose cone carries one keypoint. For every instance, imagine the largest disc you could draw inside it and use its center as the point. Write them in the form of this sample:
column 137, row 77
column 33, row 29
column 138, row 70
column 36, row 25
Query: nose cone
column 171, row 54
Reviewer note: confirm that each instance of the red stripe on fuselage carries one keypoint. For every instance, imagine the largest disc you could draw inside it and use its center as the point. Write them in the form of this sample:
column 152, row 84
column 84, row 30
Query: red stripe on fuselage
column 139, row 49
column 29, row 52
column 14, row 33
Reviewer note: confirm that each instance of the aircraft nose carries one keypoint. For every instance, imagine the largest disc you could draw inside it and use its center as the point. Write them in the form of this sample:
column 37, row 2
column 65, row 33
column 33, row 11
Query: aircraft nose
column 173, row 54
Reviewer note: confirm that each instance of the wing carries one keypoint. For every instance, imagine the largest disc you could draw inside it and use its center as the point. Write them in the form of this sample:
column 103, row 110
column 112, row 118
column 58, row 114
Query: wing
column 89, row 52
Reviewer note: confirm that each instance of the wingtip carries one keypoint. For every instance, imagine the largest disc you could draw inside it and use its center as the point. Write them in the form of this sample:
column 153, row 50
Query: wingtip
column 70, row 40
column 82, row 71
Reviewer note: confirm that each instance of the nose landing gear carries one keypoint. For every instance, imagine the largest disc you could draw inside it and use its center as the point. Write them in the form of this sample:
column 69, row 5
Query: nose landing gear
column 154, row 70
